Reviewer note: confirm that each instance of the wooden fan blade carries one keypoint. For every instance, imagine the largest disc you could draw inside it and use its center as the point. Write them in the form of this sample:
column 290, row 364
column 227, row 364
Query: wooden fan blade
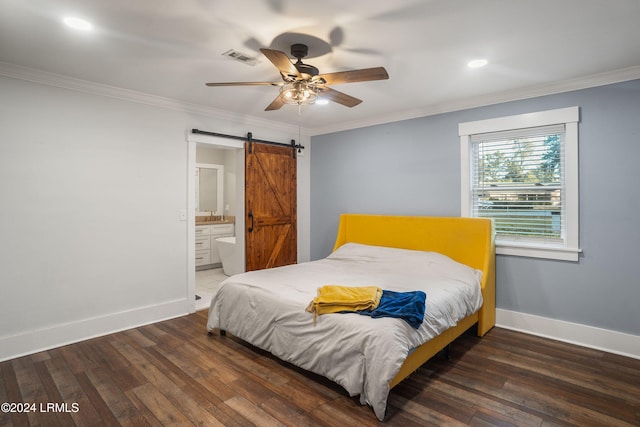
column 245, row 84
column 276, row 104
column 366, row 74
column 282, row 62
column 339, row 97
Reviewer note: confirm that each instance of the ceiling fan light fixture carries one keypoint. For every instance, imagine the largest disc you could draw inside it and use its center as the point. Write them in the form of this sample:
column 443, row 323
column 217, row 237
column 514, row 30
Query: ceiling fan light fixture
column 299, row 93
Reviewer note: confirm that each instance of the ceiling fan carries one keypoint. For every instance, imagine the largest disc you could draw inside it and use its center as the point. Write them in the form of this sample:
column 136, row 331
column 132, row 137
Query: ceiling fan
column 303, row 84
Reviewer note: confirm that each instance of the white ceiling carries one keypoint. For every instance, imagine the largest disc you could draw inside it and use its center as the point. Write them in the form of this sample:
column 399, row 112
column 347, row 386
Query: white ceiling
column 170, row 49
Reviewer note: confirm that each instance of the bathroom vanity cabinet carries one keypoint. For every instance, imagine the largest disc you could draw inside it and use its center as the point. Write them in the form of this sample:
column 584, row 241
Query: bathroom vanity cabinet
column 206, row 249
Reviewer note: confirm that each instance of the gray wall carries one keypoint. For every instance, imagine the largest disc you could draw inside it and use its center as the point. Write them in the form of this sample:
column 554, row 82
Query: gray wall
column 413, row 168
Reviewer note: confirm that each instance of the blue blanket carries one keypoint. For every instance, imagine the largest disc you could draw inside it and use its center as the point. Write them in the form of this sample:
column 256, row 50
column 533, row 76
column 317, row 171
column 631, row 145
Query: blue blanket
column 408, row 306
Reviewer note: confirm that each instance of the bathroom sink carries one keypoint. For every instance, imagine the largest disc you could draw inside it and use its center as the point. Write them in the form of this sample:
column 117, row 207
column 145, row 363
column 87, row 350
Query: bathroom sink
column 206, row 220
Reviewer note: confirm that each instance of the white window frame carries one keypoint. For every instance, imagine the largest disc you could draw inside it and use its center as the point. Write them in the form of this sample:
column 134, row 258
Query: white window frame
column 569, row 250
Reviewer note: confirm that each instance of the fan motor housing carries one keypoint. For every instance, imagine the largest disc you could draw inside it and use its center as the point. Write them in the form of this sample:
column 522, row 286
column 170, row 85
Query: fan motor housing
column 299, row 50
column 307, row 69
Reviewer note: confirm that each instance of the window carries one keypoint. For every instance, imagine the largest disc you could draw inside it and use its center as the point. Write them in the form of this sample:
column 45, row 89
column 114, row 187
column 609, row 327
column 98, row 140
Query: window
column 522, row 171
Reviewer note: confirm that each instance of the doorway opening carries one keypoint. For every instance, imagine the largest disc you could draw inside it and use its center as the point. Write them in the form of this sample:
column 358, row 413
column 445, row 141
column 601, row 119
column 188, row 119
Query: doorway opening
column 203, row 149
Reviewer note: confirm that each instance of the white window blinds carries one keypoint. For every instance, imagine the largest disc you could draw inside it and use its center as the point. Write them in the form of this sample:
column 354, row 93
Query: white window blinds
column 517, row 178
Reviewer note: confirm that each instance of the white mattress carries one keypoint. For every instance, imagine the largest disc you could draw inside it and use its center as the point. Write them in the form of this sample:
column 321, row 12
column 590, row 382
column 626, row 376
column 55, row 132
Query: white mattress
column 267, row 309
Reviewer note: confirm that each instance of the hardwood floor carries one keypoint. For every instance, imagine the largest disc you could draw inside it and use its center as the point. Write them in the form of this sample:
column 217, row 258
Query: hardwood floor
column 173, row 373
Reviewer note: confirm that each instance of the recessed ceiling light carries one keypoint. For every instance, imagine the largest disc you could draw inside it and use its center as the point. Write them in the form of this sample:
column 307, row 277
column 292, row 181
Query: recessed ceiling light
column 77, row 23
column 322, row 101
column 477, row 63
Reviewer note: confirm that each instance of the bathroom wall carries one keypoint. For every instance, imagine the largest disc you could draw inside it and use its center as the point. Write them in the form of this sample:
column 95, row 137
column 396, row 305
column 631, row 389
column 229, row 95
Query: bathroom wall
column 206, row 153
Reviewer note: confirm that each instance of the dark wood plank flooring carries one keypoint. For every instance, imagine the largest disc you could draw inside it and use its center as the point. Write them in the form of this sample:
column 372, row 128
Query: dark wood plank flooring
column 173, row 373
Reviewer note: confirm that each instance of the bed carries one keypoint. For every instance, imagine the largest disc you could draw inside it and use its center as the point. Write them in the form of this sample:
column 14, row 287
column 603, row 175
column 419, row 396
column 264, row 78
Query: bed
column 451, row 259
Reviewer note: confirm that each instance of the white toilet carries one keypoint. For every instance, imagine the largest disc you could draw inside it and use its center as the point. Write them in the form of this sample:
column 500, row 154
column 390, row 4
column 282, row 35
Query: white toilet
column 228, row 255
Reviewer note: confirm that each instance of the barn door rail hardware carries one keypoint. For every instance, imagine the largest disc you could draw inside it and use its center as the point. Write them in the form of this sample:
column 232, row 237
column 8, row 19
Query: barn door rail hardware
column 250, row 139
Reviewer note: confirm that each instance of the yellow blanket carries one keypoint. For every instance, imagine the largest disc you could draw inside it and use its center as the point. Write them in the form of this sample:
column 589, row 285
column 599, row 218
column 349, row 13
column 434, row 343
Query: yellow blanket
column 335, row 298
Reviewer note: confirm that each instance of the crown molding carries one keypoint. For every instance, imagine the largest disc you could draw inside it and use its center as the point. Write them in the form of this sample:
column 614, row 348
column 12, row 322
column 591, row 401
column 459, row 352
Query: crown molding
column 594, row 80
column 72, row 83
column 59, row 80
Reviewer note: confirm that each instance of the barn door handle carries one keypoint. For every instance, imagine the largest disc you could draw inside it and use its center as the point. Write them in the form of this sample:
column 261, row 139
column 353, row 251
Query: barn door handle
column 251, row 218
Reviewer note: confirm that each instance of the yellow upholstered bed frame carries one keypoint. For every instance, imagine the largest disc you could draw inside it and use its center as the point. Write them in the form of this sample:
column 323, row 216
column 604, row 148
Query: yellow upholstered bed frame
column 469, row 241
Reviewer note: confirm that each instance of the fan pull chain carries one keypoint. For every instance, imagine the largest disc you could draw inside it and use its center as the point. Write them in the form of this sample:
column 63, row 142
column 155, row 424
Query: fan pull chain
column 299, row 131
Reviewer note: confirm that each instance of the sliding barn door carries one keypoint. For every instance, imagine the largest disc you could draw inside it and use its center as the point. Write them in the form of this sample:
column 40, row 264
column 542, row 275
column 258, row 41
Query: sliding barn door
column 270, row 206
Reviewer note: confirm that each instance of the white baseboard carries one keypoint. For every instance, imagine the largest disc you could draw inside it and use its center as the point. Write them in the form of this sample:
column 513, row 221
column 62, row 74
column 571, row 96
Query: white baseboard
column 59, row 335
column 44, row 339
column 586, row 336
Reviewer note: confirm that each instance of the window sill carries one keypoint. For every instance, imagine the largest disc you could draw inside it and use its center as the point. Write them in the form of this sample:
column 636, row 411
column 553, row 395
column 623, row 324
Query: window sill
column 537, row 251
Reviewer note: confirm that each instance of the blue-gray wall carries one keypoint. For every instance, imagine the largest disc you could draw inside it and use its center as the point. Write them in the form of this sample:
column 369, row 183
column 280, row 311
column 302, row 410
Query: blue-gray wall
column 413, row 168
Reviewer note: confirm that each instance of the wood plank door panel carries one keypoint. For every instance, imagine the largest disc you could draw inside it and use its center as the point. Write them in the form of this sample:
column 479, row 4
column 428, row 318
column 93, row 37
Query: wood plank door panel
column 270, row 206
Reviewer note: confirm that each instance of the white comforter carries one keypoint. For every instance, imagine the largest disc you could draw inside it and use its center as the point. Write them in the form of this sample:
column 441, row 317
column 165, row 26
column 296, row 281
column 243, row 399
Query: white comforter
column 267, row 309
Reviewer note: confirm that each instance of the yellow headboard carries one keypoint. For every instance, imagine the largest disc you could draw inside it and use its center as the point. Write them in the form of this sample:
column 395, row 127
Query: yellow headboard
column 469, row 241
